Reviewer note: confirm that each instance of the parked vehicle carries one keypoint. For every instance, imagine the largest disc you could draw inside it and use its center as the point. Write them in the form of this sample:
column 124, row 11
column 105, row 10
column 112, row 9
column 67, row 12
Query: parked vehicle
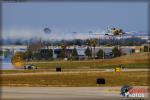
column 122, row 66
column 30, row 67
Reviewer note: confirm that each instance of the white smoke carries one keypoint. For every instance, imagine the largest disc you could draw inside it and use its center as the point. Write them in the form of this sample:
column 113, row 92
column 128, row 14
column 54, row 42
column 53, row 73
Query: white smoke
column 27, row 33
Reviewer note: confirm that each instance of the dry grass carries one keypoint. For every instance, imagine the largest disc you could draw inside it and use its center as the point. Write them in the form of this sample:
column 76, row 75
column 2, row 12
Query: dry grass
column 140, row 60
column 24, row 71
column 137, row 60
column 77, row 79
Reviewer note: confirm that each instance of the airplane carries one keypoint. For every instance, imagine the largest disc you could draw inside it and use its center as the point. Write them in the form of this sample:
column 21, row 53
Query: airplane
column 116, row 32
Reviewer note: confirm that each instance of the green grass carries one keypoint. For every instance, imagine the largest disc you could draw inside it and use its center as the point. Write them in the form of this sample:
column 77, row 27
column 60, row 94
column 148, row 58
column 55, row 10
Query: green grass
column 77, row 79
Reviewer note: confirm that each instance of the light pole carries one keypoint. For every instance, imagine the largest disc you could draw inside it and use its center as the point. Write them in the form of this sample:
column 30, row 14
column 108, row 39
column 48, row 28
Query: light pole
column 90, row 41
column 53, row 48
column 74, row 37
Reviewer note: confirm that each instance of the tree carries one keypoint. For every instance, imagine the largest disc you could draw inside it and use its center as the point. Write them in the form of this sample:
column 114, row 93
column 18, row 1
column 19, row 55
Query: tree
column 75, row 54
column 145, row 48
column 100, row 54
column 36, row 44
column 88, row 52
column 94, row 43
column 28, row 54
column 116, row 52
column 47, row 44
column 37, row 56
column 89, row 44
column 46, row 54
column 1, row 53
column 77, row 42
column 132, row 50
column 63, row 51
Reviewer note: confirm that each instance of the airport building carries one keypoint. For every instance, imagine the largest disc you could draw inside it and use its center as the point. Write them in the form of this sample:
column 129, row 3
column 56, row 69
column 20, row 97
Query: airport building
column 126, row 50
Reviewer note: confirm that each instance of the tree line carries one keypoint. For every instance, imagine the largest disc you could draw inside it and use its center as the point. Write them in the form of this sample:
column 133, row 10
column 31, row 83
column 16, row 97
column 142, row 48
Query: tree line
column 134, row 41
column 42, row 50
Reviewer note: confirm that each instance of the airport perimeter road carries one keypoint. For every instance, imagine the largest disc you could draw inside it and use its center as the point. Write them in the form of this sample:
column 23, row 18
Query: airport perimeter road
column 61, row 93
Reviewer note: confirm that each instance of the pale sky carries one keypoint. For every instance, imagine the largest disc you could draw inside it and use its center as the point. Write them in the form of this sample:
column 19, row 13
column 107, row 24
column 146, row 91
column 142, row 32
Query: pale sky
column 26, row 20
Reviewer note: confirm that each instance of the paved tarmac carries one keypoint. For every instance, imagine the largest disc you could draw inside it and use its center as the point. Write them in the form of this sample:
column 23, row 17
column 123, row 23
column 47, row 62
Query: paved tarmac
column 62, row 93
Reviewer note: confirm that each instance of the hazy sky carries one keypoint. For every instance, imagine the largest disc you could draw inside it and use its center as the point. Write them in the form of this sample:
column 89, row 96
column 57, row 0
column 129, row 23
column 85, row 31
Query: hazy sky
column 63, row 18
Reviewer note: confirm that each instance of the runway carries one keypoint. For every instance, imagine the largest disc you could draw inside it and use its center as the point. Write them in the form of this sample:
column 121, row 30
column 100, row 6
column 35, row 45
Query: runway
column 61, row 93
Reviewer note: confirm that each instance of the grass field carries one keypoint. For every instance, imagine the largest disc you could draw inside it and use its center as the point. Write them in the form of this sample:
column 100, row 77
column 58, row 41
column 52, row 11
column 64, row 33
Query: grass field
column 14, row 71
column 137, row 60
column 77, row 79
column 84, row 77
column 24, row 71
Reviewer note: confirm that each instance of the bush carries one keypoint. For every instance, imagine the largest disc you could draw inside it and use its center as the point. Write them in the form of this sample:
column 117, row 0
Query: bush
column 88, row 52
column 116, row 52
column 145, row 48
column 100, row 54
column 75, row 54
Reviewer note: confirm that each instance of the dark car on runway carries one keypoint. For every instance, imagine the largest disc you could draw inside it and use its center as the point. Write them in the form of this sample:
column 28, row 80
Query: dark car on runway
column 30, row 67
